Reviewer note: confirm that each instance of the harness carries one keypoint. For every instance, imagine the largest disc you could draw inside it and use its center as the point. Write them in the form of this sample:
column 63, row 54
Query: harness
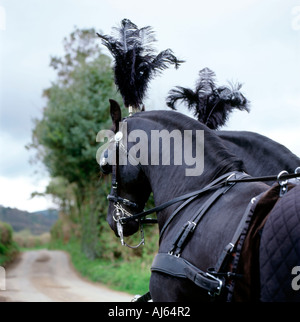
column 214, row 279
column 171, row 263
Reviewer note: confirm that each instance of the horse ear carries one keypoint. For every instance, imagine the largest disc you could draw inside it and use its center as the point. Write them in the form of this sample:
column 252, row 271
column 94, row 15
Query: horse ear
column 116, row 114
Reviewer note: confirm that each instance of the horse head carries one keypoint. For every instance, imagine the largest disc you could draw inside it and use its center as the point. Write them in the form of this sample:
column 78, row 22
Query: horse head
column 154, row 151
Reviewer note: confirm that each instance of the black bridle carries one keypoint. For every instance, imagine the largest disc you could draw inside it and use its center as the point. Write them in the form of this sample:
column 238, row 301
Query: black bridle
column 115, row 177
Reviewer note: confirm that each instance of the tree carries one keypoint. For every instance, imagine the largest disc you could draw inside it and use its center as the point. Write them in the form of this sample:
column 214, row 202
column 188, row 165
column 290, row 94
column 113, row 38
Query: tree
column 76, row 109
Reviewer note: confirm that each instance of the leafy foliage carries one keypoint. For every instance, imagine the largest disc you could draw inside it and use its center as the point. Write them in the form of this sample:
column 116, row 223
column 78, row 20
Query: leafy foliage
column 77, row 108
column 8, row 248
column 73, row 116
column 65, row 138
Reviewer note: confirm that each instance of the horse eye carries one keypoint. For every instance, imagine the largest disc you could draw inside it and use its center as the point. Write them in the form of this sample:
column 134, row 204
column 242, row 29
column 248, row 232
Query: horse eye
column 105, row 167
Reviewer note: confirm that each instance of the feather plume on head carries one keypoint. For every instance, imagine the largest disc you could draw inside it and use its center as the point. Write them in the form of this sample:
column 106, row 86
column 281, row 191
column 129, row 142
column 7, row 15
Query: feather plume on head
column 135, row 61
column 210, row 104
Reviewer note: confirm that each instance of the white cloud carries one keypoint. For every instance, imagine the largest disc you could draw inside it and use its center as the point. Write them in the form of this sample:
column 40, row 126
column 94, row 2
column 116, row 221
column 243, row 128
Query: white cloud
column 16, row 193
column 14, row 158
column 288, row 137
column 17, row 178
column 274, row 117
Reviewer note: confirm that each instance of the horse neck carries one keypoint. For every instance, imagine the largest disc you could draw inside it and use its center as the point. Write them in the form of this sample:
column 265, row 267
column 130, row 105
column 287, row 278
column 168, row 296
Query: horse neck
column 168, row 182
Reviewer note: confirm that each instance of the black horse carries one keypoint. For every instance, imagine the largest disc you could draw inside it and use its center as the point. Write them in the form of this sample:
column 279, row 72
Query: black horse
column 135, row 182
column 195, row 228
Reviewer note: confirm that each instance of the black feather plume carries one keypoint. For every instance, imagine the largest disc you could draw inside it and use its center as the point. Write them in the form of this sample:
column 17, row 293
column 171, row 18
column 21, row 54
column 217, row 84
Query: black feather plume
column 135, row 61
column 210, row 104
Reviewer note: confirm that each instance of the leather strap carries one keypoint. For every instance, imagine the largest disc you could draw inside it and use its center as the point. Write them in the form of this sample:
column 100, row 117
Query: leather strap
column 174, row 265
column 181, row 268
column 218, row 183
column 228, row 250
column 190, row 226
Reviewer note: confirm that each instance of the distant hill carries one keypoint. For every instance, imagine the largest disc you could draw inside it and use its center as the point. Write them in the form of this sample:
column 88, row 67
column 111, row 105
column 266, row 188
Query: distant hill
column 37, row 222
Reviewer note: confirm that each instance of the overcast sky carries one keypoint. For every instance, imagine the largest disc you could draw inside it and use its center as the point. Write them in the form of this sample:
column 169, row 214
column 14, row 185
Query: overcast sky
column 254, row 42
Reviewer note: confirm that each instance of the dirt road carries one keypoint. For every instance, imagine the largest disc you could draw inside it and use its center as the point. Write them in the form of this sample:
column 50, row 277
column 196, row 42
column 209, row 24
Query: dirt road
column 48, row 276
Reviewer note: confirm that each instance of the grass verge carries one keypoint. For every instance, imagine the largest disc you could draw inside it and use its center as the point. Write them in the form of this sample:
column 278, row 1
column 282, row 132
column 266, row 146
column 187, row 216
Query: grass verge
column 127, row 276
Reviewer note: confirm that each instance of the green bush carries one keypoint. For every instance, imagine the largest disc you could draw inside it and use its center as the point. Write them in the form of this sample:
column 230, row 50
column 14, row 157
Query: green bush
column 25, row 239
column 8, row 248
column 6, row 233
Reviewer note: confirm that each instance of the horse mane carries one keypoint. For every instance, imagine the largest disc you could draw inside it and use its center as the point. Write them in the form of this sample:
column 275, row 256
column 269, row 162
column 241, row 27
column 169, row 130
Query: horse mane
column 210, row 104
column 225, row 160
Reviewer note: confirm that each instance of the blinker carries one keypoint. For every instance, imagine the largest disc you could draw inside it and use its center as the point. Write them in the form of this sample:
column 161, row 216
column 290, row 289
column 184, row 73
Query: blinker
column 105, row 167
column 118, row 136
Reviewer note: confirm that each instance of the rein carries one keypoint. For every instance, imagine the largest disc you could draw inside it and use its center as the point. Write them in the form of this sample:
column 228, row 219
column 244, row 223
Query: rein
column 283, row 176
column 218, row 183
